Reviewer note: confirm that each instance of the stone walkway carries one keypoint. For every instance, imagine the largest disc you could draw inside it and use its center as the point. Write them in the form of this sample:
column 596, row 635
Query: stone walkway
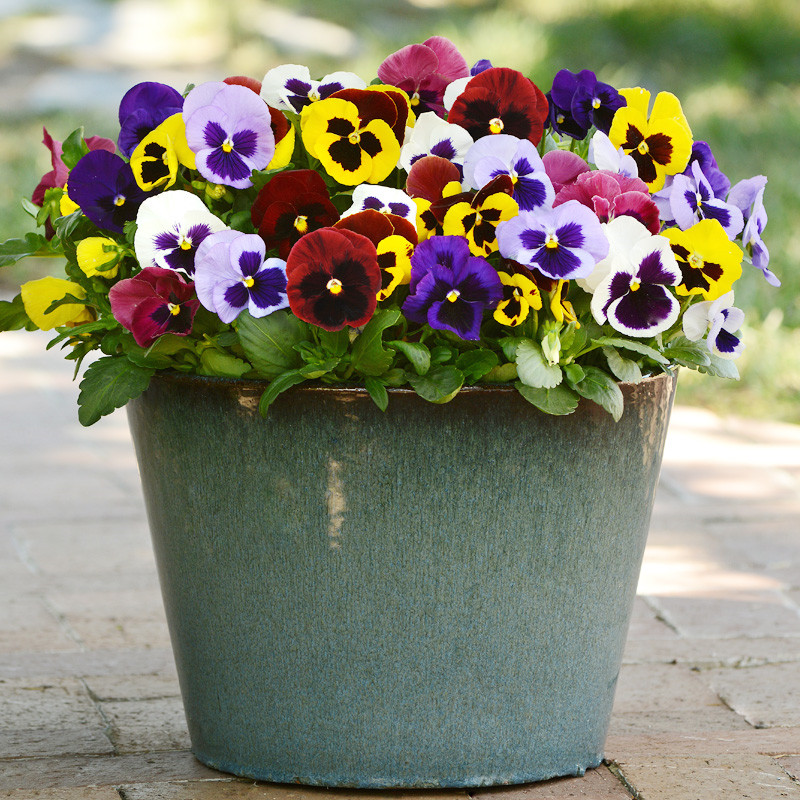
column 708, row 704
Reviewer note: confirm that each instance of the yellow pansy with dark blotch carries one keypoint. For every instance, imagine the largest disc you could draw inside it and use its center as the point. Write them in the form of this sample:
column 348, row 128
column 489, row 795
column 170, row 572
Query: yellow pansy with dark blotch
column 157, row 158
column 394, row 259
column 660, row 144
column 520, row 295
column 476, row 217
column 709, row 261
column 349, row 149
column 562, row 309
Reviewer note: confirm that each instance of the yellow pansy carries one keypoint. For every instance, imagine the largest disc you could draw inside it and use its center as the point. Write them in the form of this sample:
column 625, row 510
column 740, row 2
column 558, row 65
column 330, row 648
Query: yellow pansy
column 520, row 295
column 97, row 252
column 39, row 295
column 156, row 159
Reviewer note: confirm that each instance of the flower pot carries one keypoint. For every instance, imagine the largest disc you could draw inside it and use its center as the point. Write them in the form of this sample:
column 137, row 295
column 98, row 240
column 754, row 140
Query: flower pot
column 437, row 595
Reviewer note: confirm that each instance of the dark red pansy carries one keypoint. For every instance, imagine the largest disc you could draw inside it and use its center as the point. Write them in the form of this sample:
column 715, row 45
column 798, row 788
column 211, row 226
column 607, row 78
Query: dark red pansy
column 333, row 279
column 291, row 205
column 377, row 226
column 429, row 175
column 501, row 100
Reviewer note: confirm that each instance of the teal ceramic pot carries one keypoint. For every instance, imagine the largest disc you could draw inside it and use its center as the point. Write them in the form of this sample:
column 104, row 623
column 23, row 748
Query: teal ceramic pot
column 437, row 595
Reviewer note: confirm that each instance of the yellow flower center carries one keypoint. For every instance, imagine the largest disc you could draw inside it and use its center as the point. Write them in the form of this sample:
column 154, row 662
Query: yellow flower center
column 174, row 309
column 496, row 125
column 551, row 243
column 635, row 285
column 186, row 244
column 119, row 200
column 453, row 295
column 334, row 286
column 301, row 224
column 354, row 138
column 596, row 103
column 415, row 99
column 560, row 119
column 696, row 261
column 643, row 147
column 227, row 146
column 313, row 95
column 248, row 281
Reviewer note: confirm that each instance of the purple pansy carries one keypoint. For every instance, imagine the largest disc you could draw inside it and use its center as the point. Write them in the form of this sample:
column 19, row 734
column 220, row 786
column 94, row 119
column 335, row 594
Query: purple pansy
column 229, row 128
column 721, row 319
column 102, row 184
column 692, row 199
column 289, row 87
column 502, row 154
column 578, row 101
column 563, row 243
column 748, row 196
column 634, row 297
column 481, row 65
column 232, row 274
column 450, row 287
column 143, row 108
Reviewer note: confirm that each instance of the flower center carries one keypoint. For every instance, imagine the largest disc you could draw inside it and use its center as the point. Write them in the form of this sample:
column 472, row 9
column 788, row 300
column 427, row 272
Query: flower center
column 313, row 95
column 551, row 242
column 334, row 286
column 185, row 243
column 635, row 285
column 174, row 309
column 415, row 99
column 596, row 103
column 354, row 137
column 453, row 295
column 695, row 261
column 248, row 281
column 643, row 147
column 496, row 125
column 560, row 119
column 227, row 146
column 119, row 200
column 301, row 224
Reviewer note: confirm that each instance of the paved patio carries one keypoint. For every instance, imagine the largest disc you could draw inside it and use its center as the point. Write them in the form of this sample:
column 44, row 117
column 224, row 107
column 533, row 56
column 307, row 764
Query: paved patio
column 708, row 703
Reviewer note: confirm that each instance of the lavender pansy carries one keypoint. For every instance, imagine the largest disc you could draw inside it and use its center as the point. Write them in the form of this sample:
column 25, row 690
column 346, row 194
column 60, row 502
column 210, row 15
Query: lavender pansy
column 384, row 199
column 229, row 128
column 605, row 156
column 289, row 87
column 432, row 136
column 692, row 199
column 143, row 108
column 502, row 154
column 748, row 196
column 169, row 229
column 563, row 243
column 721, row 320
column 634, row 298
column 232, row 274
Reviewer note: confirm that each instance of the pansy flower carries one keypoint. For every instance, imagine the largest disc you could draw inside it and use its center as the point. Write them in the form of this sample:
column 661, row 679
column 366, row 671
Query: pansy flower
column 563, row 243
column 748, row 196
column 423, row 71
column 38, row 295
column 351, row 150
column 156, row 159
column 518, row 158
column 229, row 128
column 623, row 233
column 291, row 205
column 289, row 87
column 561, row 308
column 103, row 186
column 476, row 217
column 692, row 199
column 611, row 195
column 451, row 288
column 232, row 274
column 563, row 168
column 635, row 298
column 433, row 136
column 143, row 108
column 520, row 295
column 383, row 199
column 659, row 144
column 430, row 180
column 154, row 302
column 579, row 101
column 721, row 320
column 501, row 100
column 169, row 229
column 333, row 279
column 709, row 261
column 608, row 158
column 99, row 256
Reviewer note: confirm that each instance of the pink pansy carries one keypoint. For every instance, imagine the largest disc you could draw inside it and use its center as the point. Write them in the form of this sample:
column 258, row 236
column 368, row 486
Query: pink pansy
column 423, row 71
column 563, row 167
column 611, row 195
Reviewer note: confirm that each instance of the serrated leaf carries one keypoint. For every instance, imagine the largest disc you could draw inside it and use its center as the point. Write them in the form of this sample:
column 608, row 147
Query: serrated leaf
column 623, row 368
column 12, row 250
column 559, row 401
column 599, row 386
column 574, row 373
column 636, row 347
column 720, row 368
column 439, row 385
column 369, row 357
column 107, row 385
column 532, row 367
column 690, row 356
column 222, row 365
column 269, row 342
column 476, row 363
column 377, row 391
column 279, row 385
column 417, row 353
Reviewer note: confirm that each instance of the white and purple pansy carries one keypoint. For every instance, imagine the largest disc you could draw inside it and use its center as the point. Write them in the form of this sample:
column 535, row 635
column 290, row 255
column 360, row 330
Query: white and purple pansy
column 432, row 136
column 563, row 243
column 289, row 87
column 634, row 297
column 384, row 199
column 692, row 199
column 232, row 274
column 169, row 229
column 229, row 128
column 503, row 154
column 721, row 320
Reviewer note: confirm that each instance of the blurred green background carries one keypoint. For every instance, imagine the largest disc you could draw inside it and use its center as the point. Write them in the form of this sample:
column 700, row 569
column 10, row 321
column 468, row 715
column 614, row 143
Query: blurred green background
column 735, row 65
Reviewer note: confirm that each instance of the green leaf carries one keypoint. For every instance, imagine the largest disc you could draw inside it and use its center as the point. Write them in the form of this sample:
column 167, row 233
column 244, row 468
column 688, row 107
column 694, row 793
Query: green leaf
column 636, row 347
column 280, row 384
column 574, row 373
column 377, row 391
column 439, row 385
column 720, row 368
column 269, row 342
column 441, row 354
column 417, row 353
column 74, row 148
column 476, row 363
column 368, row 354
column 12, row 315
column 12, row 250
column 532, row 367
column 559, row 401
column 501, row 374
column 599, row 386
column 107, row 385
column 623, row 368
column 335, row 343
column 509, row 345
column 221, row 365
column 319, row 368
column 691, row 354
